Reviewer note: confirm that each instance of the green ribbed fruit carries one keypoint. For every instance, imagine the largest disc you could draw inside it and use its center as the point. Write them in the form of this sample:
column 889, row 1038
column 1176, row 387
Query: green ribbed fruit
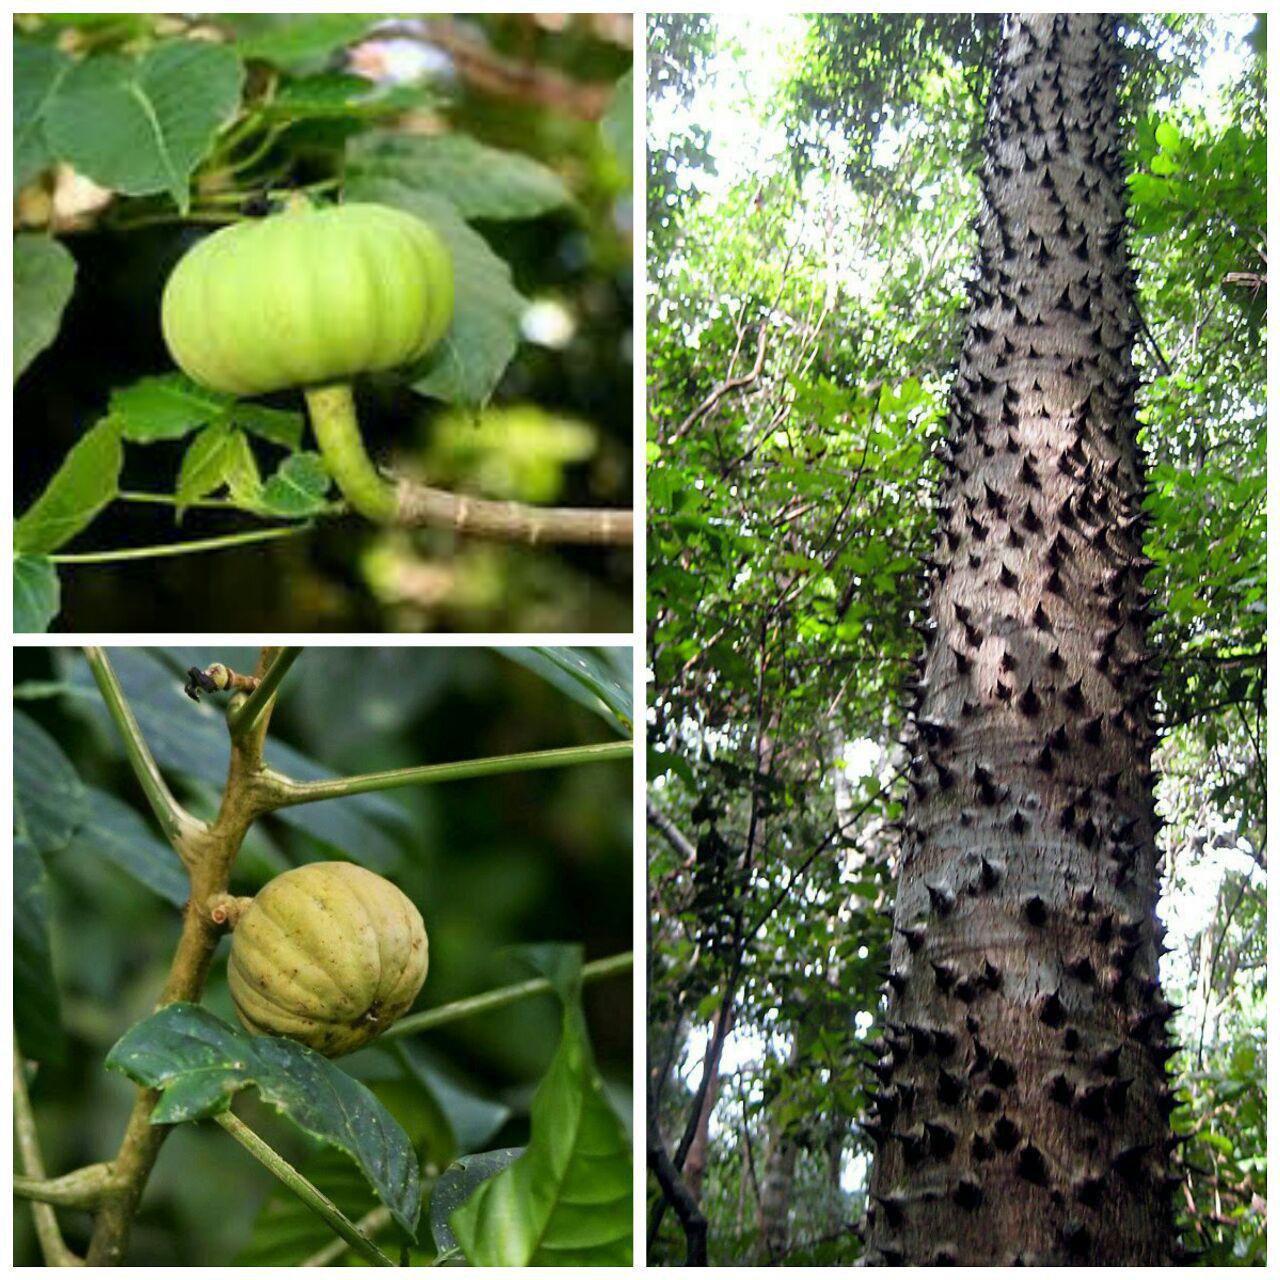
column 328, row 954
column 308, row 297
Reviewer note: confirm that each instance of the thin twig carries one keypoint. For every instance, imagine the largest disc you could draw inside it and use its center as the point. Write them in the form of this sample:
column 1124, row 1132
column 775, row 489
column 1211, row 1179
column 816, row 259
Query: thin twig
column 178, row 825
column 377, row 1219
column 503, row 996
column 243, row 720
column 279, row 792
column 52, row 1245
column 718, row 393
column 208, row 854
column 673, row 835
column 311, row 1196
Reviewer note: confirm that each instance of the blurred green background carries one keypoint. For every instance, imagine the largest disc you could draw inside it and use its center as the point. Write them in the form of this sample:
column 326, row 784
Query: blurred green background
column 492, row 864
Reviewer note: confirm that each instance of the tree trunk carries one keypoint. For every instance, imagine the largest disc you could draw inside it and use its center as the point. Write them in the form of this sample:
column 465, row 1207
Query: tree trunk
column 1022, row 1109
column 695, row 1164
column 777, row 1178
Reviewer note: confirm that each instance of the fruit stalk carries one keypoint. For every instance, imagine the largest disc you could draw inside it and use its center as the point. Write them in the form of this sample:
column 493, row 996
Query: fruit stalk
column 337, row 431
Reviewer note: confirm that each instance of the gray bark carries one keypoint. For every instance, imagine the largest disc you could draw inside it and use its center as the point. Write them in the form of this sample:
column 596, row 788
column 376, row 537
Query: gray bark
column 777, row 1179
column 1021, row 1113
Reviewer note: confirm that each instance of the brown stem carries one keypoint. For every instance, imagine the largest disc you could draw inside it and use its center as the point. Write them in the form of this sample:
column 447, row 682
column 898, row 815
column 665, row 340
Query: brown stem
column 419, row 505
column 209, row 856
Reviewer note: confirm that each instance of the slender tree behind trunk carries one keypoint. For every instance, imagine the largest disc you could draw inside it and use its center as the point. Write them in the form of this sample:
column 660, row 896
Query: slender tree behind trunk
column 777, row 1176
column 1022, row 1105
column 695, row 1165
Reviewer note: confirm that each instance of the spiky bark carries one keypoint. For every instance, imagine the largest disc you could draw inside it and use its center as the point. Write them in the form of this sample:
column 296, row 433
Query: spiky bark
column 1021, row 1114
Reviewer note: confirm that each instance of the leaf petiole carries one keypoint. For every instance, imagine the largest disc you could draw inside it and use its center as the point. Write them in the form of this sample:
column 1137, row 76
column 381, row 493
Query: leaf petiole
column 181, row 548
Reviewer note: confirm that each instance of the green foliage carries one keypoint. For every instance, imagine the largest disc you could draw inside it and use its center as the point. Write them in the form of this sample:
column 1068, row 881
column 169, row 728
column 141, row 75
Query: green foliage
column 494, row 864
column 189, row 121
column 150, row 120
column 479, row 181
column 566, row 1200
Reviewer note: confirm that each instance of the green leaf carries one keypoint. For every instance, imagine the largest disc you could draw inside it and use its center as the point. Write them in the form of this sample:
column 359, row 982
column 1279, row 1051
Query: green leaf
column 207, row 463
column 141, row 126
column 37, row 1012
column 166, row 407
column 473, row 1118
column 37, row 595
column 567, row 1200
column 458, row 1183
column 1167, row 136
column 466, row 366
column 617, row 124
column 244, row 481
column 49, row 800
column 598, row 679
column 336, row 95
column 479, row 181
column 119, row 833
column 277, row 426
column 296, row 42
column 299, row 487
column 44, row 277
column 199, row 1064
column 38, row 69
column 88, row 479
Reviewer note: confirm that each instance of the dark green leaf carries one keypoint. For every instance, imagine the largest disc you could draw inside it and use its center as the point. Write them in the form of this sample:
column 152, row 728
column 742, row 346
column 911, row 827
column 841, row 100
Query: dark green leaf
column 49, row 800
column 199, row 1064
column 595, row 678
column 473, row 1118
column 466, row 366
column 334, row 95
column 458, row 1183
column 38, row 69
column 44, row 276
column 36, row 1006
column 299, row 487
column 115, row 831
column 278, row 426
column 479, row 181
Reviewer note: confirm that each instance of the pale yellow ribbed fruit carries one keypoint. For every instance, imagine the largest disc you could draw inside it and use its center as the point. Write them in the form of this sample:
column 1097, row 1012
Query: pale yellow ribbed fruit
column 328, row 954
